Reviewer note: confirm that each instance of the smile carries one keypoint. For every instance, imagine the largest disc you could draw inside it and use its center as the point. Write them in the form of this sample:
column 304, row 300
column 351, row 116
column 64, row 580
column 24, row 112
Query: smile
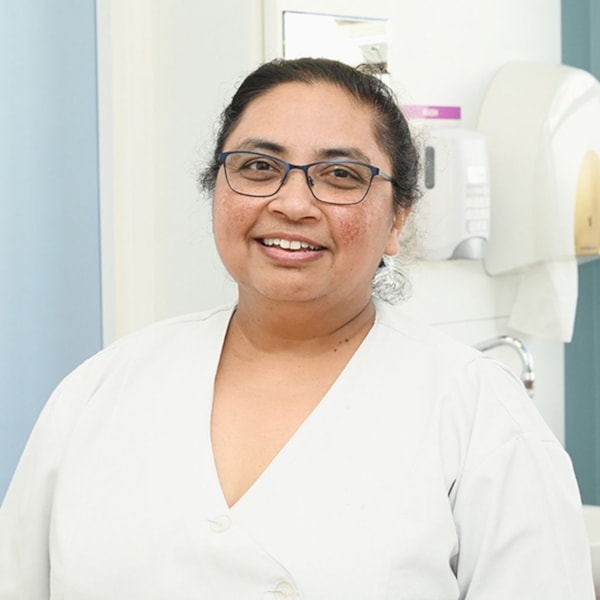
column 289, row 244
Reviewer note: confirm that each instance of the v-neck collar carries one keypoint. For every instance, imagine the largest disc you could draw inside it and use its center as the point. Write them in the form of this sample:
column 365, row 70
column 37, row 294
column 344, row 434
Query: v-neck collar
column 290, row 451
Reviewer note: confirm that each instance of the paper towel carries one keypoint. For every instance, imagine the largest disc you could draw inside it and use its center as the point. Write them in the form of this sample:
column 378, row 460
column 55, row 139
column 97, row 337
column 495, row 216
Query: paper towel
column 546, row 300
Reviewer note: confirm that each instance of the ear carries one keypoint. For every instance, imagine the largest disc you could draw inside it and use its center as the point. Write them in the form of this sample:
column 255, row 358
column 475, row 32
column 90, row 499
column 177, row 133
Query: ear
column 393, row 245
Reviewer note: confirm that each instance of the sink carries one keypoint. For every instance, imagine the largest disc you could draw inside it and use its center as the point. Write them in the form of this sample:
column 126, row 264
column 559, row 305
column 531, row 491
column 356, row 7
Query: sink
column 592, row 521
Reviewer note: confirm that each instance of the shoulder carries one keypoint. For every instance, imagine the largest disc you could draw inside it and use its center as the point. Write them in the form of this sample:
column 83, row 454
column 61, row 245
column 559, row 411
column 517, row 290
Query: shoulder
column 419, row 340
column 174, row 327
column 163, row 341
column 467, row 385
column 137, row 367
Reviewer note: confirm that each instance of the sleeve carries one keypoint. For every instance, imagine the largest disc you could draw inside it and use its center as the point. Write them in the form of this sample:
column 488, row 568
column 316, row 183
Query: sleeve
column 26, row 510
column 516, row 503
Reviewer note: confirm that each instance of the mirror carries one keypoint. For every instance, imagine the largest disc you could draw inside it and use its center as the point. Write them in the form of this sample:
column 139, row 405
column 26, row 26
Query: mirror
column 353, row 40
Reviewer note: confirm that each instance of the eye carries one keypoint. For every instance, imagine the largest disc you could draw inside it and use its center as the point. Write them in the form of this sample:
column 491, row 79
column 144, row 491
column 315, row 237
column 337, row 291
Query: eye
column 341, row 172
column 347, row 175
column 258, row 167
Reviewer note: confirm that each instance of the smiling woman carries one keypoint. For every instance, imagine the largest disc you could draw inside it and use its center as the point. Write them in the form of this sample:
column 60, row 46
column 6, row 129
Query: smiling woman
column 306, row 122
column 255, row 450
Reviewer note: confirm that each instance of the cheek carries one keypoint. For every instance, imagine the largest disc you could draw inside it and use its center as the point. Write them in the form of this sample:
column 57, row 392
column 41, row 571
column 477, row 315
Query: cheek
column 218, row 220
column 352, row 229
column 229, row 215
column 364, row 227
column 226, row 219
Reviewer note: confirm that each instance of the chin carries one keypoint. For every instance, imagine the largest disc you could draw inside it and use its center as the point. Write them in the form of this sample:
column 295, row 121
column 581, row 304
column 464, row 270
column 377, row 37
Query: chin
column 294, row 297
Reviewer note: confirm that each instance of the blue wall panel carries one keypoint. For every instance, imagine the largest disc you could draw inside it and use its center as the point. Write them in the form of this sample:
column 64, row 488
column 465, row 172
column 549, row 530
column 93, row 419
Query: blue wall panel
column 582, row 385
column 50, row 312
column 581, row 48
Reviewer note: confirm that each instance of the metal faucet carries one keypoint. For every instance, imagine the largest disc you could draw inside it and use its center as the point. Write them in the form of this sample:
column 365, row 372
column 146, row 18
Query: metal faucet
column 527, row 374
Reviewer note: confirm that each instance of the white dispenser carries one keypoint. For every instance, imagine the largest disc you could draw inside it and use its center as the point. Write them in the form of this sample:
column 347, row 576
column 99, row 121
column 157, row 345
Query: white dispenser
column 453, row 216
column 542, row 125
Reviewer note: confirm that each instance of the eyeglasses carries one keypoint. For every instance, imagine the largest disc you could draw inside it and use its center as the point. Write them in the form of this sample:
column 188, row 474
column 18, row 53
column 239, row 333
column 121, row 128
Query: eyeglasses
column 331, row 181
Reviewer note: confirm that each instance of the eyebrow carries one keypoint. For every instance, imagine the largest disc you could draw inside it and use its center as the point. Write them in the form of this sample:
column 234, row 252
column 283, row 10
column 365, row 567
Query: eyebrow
column 350, row 152
column 261, row 144
column 264, row 145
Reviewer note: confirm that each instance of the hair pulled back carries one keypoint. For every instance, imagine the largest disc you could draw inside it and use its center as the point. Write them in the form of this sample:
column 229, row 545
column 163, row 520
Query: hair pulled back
column 390, row 127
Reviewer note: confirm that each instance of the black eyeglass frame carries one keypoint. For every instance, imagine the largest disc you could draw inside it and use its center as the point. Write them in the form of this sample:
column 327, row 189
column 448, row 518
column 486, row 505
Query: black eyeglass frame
column 375, row 172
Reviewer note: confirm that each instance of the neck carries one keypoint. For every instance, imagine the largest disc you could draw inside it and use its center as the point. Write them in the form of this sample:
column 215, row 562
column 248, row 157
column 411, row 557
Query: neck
column 276, row 326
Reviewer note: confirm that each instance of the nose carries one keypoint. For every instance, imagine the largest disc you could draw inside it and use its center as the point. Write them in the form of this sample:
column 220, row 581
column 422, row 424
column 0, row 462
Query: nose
column 304, row 169
column 295, row 199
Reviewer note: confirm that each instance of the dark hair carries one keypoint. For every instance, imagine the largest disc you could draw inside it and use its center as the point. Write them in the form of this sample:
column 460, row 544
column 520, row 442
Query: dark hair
column 391, row 129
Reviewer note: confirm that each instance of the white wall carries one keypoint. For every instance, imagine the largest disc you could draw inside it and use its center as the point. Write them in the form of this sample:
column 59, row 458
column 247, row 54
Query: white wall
column 166, row 69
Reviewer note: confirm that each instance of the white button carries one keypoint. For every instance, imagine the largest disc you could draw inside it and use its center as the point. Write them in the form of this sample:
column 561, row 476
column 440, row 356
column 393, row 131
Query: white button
column 286, row 589
column 220, row 523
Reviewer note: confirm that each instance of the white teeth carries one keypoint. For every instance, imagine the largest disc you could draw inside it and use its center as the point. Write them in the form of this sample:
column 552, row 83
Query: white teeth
column 288, row 244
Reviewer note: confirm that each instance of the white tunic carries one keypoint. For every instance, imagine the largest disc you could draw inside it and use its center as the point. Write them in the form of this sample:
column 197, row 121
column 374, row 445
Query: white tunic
column 425, row 473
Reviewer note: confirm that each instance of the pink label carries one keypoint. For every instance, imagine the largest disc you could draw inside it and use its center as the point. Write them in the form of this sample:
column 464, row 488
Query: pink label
column 415, row 111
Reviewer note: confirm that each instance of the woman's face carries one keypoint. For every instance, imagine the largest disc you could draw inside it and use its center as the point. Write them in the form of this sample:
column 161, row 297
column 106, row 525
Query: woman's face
column 301, row 124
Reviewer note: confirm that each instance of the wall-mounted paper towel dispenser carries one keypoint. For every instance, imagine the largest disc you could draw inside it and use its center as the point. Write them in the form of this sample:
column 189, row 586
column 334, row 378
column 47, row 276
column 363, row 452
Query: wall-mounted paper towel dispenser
column 587, row 206
column 542, row 126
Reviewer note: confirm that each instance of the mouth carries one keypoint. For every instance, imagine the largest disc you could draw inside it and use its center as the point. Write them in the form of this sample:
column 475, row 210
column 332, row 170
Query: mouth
column 290, row 245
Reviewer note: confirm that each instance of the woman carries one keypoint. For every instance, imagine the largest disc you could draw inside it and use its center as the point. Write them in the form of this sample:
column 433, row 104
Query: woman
column 308, row 442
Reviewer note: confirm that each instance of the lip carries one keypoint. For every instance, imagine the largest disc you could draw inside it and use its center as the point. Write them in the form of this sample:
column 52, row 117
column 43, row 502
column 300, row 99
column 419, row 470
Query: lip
column 291, row 237
column 296, row 256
